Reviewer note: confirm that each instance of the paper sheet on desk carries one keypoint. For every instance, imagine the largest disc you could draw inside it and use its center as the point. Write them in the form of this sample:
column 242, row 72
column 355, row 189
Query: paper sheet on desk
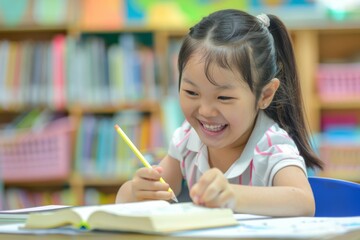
column 20, row 215
column 300, row 227
column 16, row 228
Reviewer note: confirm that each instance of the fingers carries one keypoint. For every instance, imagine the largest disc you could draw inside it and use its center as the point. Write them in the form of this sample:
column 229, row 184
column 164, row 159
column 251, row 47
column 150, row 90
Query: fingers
column 206, row 188
column 151, row 174
column 152, row 195
column 212, row 190
column 146, row 185
column 224, row 199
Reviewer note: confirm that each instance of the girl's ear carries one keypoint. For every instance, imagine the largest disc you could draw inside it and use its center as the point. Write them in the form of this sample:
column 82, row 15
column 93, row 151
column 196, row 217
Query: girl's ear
column 268, row 92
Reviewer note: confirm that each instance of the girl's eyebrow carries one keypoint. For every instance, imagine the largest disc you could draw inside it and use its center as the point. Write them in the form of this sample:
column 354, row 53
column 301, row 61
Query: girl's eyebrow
column 189, row 81
column 223, row 87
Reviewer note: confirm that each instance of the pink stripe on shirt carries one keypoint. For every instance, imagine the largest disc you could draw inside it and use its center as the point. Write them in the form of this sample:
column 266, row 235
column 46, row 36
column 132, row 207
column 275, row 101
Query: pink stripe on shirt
column 192, row 177
column 278, row 148
column 252, row 168
column 240, row 180
column 282, row 134
column 257, row 149
column 268, row 139
column 183, row 161
column 182, row 140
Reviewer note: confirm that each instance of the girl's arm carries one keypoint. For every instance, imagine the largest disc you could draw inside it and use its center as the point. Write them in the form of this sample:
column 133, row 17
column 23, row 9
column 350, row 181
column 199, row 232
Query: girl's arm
column 145, row 184
column 290, row 195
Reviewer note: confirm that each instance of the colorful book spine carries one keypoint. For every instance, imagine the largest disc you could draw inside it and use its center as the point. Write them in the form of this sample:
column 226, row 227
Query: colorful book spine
column 58, row 71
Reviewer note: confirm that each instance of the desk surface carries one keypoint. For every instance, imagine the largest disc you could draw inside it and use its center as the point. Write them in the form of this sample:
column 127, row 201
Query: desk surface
column 355, row 235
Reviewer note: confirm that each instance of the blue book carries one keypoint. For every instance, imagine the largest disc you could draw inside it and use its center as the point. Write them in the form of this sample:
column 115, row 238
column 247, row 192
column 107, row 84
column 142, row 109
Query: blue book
column 101, row 154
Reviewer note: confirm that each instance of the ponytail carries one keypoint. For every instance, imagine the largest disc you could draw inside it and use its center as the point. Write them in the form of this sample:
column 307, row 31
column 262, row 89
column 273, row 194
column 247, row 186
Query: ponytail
column 287, row 106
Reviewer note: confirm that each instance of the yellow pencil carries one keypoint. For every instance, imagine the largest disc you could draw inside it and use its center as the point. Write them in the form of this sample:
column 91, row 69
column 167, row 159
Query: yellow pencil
column 139, row 155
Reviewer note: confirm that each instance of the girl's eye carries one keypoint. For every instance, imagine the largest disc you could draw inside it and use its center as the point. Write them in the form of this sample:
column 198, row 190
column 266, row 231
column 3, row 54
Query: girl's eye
column 224, row 98
column 191, row 93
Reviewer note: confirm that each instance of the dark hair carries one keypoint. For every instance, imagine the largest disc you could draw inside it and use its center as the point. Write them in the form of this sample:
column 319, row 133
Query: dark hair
column 231, row 38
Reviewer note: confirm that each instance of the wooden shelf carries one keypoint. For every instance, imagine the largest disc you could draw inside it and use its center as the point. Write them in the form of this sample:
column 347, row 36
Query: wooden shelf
column 33, row 28
column 37, row 183
column 144, row 106
column 100, row 181
column 340, row 104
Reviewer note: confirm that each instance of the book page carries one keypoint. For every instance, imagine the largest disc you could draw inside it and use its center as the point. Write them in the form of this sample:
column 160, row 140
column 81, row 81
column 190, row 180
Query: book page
column 157, row 217
column 136, row 208
column 121, row 208
column 153, row 208
column 85, row 211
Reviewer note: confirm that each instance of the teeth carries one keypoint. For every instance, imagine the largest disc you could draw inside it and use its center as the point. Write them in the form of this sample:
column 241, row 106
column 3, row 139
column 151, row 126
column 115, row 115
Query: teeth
column 213, row 128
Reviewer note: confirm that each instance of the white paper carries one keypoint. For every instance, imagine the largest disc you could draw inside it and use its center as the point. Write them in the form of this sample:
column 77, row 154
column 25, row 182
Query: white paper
column 7, row 216
column 17, row 228
column 298, row 227
column 34, row 209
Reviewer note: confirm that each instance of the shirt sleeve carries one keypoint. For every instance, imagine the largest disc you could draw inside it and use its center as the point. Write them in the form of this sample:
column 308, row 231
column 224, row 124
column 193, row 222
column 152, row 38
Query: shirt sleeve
column 179, row 141
column 274, row 151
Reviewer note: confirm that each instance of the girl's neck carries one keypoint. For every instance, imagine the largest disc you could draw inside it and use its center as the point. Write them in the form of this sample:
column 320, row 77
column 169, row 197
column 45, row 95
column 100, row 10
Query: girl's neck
column 222, row 159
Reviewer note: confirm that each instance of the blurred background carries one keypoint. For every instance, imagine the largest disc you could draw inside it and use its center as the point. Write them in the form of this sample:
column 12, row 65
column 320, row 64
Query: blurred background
column 71, row 69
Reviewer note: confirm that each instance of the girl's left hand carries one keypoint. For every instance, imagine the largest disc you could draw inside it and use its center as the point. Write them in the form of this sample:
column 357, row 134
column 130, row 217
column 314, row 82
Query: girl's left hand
column 213, row 190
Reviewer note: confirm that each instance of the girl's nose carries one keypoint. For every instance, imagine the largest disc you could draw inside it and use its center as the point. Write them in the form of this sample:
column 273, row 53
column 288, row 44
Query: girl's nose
column 207, row 110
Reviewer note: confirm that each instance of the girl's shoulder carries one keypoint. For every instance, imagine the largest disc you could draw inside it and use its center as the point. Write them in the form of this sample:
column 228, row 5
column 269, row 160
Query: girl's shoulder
column 269, row 133
column 184, row 140
column 276, row 133
column 182, row 132
column 276, row 141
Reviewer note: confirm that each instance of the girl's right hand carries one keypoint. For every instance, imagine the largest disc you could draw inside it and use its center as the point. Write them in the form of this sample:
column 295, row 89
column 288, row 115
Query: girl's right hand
column 146, row 185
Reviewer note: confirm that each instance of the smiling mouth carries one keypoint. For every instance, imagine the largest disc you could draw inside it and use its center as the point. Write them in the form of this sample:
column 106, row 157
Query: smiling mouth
column 213, row 127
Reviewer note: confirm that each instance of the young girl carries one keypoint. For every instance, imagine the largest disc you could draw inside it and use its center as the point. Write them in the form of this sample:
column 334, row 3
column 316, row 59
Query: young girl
column 244, row 144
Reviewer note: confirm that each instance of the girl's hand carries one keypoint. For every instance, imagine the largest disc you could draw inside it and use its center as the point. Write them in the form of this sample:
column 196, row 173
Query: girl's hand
column 213, row 190
column 145, row 185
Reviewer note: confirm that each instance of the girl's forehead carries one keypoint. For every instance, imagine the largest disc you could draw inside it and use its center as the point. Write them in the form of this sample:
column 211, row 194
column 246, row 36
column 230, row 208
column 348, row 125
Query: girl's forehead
column 198, row 64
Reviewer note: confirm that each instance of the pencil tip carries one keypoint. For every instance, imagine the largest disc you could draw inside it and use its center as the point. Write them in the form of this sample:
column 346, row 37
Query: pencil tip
column 174, row 198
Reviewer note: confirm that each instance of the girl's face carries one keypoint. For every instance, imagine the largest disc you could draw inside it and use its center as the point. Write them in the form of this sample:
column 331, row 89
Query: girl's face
column 222, row 115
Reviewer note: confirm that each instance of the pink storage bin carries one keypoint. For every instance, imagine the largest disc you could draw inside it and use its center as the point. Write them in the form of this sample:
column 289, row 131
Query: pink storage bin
column 333, row 120
column 37, row 156
column 339, row 81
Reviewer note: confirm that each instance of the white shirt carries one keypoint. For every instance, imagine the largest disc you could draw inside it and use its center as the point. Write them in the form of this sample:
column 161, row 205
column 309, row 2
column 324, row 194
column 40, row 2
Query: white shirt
column 268, row 150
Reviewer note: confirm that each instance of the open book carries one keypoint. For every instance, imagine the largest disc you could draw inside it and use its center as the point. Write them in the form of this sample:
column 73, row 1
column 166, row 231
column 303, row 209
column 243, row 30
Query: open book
column 159, row 217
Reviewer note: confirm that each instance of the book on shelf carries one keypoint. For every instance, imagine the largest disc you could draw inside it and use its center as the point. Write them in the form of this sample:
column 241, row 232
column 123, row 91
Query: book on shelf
column 58, row 72
column 54, row 12
column 116, row 58
column 153, row 217
column 108, row 15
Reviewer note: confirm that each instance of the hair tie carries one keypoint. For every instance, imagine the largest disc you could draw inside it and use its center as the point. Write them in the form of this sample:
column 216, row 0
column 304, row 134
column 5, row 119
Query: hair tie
column 264, row 19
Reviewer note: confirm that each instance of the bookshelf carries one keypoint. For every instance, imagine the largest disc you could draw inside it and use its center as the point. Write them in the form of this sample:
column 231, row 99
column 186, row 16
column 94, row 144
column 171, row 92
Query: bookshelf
column 77, row 102
column 333, row 107
column 313, row 45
